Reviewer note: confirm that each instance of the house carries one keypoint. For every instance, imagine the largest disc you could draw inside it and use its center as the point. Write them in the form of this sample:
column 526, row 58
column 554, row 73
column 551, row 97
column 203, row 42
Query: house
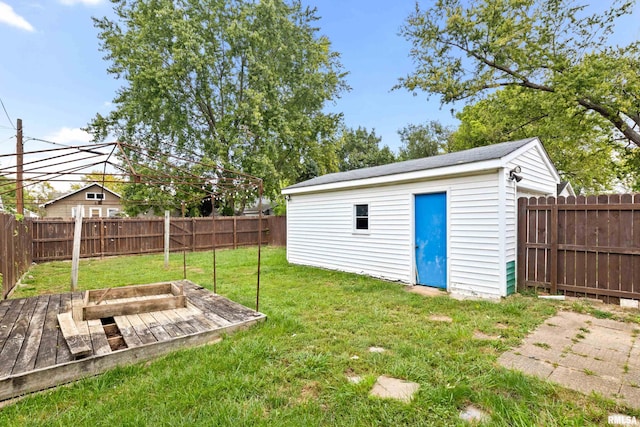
column 97, row 201
column 565, row 189
column 447, row 221
column 252, row 209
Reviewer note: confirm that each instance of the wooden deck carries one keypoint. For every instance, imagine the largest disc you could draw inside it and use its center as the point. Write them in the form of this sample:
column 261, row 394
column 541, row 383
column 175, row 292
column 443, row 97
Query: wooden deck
column 35, row 355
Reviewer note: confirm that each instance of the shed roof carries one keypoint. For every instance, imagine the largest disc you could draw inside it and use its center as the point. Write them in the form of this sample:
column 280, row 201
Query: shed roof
column 479, row 154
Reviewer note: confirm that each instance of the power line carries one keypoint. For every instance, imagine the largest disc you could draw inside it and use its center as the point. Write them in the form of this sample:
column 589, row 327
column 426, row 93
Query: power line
column 7, row 114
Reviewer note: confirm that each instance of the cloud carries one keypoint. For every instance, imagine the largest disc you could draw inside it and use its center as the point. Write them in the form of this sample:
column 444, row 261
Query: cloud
column 84, row 2
column 69, row 135
column 8, row 16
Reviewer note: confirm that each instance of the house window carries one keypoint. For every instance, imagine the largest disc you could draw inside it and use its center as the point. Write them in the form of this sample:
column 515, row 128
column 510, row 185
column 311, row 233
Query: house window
column 94, row 196
column 362, row 217
column 112, row 212
column 95, row 212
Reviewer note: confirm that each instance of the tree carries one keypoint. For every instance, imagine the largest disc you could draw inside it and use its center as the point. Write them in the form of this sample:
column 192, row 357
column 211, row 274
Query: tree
column 579, row 143
column 423, row 140
column 464, row 50
column 361, row 149
column 8, row 193
column 239, row 82
column 34, row 194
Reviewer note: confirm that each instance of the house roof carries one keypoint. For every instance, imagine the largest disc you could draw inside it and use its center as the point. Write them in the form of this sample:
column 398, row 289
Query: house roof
column 565, row 185
column 64, row 196
column 479, row 154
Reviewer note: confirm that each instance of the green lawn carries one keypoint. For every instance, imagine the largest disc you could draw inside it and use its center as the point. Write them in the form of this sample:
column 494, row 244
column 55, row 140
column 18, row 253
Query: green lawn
column 291, row 370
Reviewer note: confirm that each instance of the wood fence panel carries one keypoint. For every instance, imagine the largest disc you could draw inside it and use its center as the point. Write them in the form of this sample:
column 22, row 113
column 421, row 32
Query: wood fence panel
column 564, row 237
column 615, row 216
column 591, row 242
column 578, row 275
column 15, row 251
column 581, row 246
column 277, row 230
column 626, row 241
column 602, row 240
column 53, row 238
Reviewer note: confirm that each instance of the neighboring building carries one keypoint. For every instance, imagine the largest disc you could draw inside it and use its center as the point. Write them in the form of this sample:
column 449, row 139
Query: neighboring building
column 447, row 221
column 96, row 200
column 253, row 210
column 565, row 189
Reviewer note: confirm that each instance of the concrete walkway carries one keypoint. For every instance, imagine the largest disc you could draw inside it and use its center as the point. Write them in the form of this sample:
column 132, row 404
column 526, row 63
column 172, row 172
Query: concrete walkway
column 583, row 353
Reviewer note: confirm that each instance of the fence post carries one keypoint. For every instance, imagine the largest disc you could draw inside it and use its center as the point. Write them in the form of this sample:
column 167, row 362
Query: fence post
column 75, row 260
column 522, row 242
column 235, row 233
column 167, row 230
column 554, row 246
column 101, row 237
column 193, row 234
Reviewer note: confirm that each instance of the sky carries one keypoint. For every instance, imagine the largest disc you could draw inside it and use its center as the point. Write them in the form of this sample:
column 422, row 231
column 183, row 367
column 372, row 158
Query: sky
column 53, row 76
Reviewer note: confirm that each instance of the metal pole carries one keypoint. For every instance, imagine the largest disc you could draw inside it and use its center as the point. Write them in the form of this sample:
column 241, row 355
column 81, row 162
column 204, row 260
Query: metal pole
column 19, row 161
column 259, row 243
column 213, row 227
column 184, row 246
column 167, row 238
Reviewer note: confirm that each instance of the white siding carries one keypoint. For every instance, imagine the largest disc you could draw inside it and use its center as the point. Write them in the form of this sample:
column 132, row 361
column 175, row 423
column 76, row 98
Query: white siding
column 537, row 178
column 320, row 232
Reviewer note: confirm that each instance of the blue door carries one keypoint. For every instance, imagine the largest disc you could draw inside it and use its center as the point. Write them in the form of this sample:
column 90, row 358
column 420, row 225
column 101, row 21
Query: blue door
column 431, row 239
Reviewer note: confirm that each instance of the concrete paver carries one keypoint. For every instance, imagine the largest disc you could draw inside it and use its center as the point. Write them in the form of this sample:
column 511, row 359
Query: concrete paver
column 393, row 388
column 583, row 353
column 474, row 415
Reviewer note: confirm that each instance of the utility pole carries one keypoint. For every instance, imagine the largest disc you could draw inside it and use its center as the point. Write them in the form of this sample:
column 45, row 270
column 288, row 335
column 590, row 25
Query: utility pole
column 19, row 161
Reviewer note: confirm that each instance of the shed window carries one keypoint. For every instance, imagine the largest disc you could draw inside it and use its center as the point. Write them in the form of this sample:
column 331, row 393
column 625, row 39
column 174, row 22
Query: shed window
column 95, row 196
column 362, row 217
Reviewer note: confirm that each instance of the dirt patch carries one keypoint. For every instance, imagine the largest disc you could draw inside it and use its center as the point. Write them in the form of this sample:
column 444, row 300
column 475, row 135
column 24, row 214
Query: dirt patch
column 440, row 318
column 309, row 392
column 479, row 335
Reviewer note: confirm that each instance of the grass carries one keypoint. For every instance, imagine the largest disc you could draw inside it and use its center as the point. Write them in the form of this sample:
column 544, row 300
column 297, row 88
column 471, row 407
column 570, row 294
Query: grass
column 292, row 370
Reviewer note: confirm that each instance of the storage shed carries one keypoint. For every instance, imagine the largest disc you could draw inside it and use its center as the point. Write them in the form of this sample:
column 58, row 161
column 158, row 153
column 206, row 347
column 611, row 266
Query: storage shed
column 447, row 221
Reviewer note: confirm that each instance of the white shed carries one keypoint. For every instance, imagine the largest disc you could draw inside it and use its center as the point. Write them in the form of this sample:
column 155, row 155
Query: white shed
column 447, row 221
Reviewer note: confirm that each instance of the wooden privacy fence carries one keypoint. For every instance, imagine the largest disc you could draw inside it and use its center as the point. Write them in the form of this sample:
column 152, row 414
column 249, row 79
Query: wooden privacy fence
column 15, row 251
column 581, row 245
column 53, row 238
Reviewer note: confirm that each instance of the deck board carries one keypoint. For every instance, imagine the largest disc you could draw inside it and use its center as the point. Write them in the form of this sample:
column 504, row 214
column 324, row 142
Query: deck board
column 191, row 320
column 5, row 305
column 26, row 360
column 154, row 326
column 63, row 354
column 98, row 338
column 13, row 344
column 144, row 333
column 128, row 333
column 166, row 323
column 9, row 319
column 49, row 341
column 34, row 354
column 180, row 323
